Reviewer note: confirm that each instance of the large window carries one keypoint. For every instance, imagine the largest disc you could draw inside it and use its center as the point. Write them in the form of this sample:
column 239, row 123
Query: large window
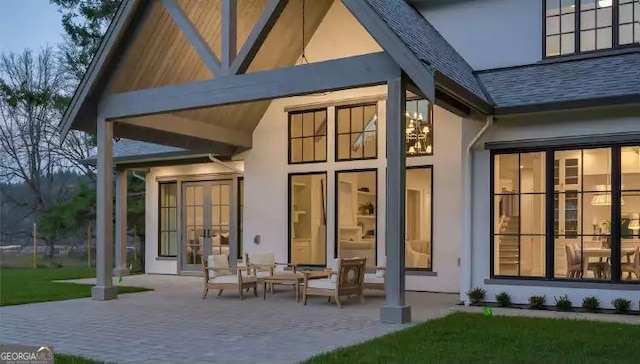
column 357, row 208
column 419, row 194
column 308, row 218
column 168, row 226
column 308, row 136
column 240, row 215
column 357, row 132
column 586, row 227
column 419, row 128
column 573, row 26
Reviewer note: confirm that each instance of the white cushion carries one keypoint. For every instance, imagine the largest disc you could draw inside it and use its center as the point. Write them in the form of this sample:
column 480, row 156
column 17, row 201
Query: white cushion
column 232, row 279
column 373, row 278
column 324, row 283
column 218, row 262
column 334, row 265
column 262, row 258
column 262, row 274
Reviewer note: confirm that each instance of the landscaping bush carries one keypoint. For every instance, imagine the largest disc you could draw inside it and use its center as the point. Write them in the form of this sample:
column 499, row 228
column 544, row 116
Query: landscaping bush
column 503, row 299
column 621, row 305
column 591, row 303
column 537, row 302
column 563, row 303
column 476, row 295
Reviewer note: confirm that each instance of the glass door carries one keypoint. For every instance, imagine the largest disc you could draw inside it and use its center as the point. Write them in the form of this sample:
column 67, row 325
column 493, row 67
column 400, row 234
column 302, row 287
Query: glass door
column 207, row 222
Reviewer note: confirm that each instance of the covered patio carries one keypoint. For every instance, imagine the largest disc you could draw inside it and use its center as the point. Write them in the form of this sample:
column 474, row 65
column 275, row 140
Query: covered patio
column 176, row 72
column 172, row 324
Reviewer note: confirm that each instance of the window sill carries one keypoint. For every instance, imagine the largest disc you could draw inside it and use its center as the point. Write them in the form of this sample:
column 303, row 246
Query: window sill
column 423, row 273
column 632, row 48
column 166, row 258
column 631, row 286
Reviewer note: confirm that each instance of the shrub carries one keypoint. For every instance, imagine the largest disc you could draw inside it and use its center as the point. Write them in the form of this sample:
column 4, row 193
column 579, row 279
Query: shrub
column 563, row 303
column 621, row 305
column 503, row 299
column 537, row 302
column 476, row 295
column 591, row 303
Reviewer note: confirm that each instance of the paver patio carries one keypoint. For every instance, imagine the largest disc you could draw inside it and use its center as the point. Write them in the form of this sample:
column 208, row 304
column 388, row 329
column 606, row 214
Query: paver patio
column 172, row 324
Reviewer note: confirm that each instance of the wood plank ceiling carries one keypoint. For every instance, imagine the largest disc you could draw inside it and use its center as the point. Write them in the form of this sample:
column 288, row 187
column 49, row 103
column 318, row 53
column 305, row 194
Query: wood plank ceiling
column 160, row 54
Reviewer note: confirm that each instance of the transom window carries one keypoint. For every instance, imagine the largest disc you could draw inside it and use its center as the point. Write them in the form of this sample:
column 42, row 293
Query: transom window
column 573, row 26
column 419, row 128
column 308, row 136
column 168, row 226
column 357, row 132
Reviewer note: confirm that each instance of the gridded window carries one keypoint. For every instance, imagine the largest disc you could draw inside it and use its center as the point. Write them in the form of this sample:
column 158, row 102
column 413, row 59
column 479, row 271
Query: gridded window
column 629, row 21
column 357, row 132
column 596, row 24
column 419, row 128
column 308, row 136
column 560, row 27
column 168, row 227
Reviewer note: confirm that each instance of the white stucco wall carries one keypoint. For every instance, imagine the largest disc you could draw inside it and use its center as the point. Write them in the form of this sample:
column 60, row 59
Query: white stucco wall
column 490, row 33
column 550, row 125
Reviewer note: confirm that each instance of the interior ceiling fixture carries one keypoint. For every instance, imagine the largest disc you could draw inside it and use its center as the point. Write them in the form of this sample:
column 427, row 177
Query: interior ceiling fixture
column 418, row 130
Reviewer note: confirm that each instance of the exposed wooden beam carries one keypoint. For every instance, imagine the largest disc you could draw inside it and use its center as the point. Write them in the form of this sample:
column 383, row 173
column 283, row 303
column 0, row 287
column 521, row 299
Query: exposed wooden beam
column 193, row 128
column 340, row 74
column 419, row 73
column 193, row 36
column 229, row 32
column 257, row 36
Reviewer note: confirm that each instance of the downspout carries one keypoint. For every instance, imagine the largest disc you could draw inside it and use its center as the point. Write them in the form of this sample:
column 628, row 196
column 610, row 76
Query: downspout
column 469, row 193
column 133, row 173
column 218, row 161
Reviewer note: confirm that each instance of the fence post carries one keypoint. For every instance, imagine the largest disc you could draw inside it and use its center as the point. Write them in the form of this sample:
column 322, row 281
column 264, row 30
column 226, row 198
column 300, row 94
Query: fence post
column 35, row 245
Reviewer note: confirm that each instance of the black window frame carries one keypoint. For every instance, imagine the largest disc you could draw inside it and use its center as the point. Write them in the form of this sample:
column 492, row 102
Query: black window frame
column 290, row 138
column 430, row 123
column 160, row 227
column 240, row 227
column 615, row 28
column 289, row 217
column 337, row 132
column 616, row 210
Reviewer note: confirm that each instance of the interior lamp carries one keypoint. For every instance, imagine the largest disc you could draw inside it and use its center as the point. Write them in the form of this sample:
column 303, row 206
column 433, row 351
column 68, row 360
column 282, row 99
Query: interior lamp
column 634, row 224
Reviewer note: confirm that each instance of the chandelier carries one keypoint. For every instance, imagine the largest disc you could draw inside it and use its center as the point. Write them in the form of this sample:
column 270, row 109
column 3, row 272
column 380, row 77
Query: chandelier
column 419, row 132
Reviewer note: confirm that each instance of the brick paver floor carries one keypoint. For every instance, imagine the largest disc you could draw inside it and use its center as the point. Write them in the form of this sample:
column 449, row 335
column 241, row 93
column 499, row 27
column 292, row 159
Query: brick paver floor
column 172, row 324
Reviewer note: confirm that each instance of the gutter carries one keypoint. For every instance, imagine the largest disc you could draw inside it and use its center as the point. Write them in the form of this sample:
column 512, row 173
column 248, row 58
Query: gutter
column 468, row 218
column 225, row 165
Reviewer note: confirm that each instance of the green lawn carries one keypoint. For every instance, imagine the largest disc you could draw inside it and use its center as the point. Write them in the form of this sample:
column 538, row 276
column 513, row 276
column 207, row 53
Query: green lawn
column 474, row 338
column 73, row 359
column 27, row 285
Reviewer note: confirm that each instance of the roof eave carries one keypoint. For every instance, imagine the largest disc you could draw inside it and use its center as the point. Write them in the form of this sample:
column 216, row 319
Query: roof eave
column 569, row 105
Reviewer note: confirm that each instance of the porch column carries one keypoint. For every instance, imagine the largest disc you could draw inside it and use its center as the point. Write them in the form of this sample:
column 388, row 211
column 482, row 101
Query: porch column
column 104, row 290
column 121, row 224
column 395, row 311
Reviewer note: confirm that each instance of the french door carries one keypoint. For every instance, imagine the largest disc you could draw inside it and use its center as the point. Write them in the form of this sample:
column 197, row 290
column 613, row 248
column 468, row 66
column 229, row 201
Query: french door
column 207, row 222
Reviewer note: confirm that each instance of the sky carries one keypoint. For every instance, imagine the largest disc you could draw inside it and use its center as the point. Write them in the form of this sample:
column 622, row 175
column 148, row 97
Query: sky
column 29, row 24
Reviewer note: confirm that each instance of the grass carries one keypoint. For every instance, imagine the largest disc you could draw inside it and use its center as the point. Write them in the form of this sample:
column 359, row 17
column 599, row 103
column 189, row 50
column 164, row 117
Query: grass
column 74, row 359
column 474, row 338
column 26, row 285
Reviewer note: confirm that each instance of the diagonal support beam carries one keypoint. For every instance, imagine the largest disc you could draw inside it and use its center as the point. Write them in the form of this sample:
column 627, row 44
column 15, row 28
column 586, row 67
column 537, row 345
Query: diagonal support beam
column 193, row 36
column 257, row 36
column 340, row 74
column 229, row 32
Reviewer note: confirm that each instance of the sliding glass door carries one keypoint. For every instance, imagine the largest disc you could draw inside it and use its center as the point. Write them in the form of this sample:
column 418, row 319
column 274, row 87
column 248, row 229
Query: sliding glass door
column 308, row 219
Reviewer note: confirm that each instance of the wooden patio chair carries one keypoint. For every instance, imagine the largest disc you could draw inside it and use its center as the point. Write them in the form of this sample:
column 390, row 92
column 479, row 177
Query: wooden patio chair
column 217, row 274
column 345, row 279
column 633, row 267
column 377, row 280
column 263, row 265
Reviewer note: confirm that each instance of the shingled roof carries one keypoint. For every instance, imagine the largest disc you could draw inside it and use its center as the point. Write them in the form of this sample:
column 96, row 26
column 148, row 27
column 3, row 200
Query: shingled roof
column 427, row 43
column 561, row 82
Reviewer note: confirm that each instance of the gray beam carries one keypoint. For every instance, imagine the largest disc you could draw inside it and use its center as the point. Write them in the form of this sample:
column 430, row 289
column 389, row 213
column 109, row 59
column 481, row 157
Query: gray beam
column 193, row 36
column 395, row 310
column 257, row 36
column 420, row 73
column 121, row 224
column 104, row 290
column 229, row 32
column 334, row 75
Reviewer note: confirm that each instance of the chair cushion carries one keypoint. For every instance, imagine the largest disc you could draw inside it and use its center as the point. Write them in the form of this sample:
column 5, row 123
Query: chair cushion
column 231, row 279
column 218, row 262
column 262, row 274
column 323, row 283
column 334, row 266
column 373, row 278
column 262, row 258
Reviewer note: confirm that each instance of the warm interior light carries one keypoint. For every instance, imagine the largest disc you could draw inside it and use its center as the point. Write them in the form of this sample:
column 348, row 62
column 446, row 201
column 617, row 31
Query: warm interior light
column 634, row 224
column 605, row 3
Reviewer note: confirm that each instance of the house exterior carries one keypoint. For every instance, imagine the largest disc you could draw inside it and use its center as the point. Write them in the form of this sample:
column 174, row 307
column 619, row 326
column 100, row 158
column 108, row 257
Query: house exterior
column 491, row 144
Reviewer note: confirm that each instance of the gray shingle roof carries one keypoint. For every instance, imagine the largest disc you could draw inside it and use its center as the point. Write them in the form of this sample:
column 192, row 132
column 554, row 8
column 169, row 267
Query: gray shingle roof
column 126, row 150
column 427, row 43
column 616, row 75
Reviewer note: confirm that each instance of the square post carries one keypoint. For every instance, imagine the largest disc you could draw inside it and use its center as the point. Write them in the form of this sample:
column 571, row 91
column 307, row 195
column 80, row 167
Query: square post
column 104, row 290
column 395, row 310
column 121, row 224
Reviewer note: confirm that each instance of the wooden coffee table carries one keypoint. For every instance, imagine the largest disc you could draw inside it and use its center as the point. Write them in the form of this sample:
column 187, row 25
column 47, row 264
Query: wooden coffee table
column 291, row 278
